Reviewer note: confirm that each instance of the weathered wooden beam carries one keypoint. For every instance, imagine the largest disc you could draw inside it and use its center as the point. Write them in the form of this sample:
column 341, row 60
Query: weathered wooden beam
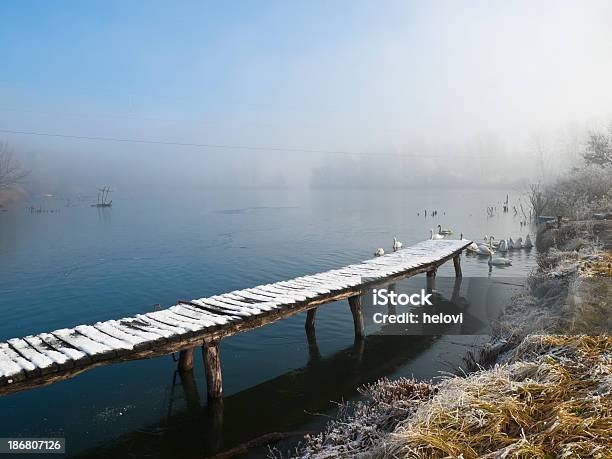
column 185, row 362
column 310, row 320
column 432, row 272
column 356, row 310
column 457, row 263
column 212, row 366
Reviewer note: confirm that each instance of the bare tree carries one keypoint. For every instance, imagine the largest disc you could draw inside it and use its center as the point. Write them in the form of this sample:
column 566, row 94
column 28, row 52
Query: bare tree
column 538, row 199
column 11, row 172
column 599, row 148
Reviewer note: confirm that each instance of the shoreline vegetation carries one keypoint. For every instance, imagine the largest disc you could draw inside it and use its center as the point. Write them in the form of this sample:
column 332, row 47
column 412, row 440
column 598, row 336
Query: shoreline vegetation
column 541, row 387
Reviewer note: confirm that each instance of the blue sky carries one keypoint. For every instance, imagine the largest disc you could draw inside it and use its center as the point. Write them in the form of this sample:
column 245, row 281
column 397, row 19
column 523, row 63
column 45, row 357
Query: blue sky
column 361, row 76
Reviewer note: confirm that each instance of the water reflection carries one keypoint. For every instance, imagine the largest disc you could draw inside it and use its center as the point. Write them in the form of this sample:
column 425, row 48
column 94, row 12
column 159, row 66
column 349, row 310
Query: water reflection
column 283, row 404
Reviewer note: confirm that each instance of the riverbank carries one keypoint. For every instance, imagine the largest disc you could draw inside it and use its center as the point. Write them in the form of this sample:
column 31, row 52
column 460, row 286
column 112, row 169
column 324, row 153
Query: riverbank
column 541, row 387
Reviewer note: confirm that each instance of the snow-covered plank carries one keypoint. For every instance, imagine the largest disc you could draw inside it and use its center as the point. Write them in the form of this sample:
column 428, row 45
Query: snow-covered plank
column 57, row 357
column 298, row 283
column 279, row 298
column 261, row 304
column 98, row 336
column 304, row 288
column 334, row 281
column 41, row 361
column 10, row 370
column 196, row 313
column 185, row 321
column 233, row 300
column 62, row 347
column 252, row 296
column 300, row 289
column 220, row 308
column 163, row 317
column 110, row 328
column 150, row 326
column 230, row 304
column 82, row 343
column 295, row 295
column 129, row 327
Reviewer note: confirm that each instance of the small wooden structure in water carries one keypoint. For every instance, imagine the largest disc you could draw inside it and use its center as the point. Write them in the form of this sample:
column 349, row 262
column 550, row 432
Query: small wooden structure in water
column 103, row 197
column 39, row 360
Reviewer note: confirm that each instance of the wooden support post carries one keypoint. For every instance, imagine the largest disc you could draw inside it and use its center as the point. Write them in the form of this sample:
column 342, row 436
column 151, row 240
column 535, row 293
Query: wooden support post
column 313, row 348
column 457, row 263
column 391, row 310
column 185, row 362
column 310, row 320
column 431, row 280
column 212, row 365
column 355, row 304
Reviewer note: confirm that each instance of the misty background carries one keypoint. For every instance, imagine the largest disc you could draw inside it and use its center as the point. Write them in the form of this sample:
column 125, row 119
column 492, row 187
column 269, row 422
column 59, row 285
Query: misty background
column 314, row 94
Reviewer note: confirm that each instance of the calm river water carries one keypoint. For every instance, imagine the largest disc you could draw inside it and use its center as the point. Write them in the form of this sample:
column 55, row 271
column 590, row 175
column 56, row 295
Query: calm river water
column 83, row 264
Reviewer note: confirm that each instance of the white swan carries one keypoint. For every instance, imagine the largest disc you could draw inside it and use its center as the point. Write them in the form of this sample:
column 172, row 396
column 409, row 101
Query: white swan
column 499, row 261
column 528, row 244
column 444, row 231
column 379, row 252
column 518, row 244
column 490, row 241
column 503, row 246
column 473, row 247
column 485, row 249
column 396, row 244
column 435, row 236
column 510, row 243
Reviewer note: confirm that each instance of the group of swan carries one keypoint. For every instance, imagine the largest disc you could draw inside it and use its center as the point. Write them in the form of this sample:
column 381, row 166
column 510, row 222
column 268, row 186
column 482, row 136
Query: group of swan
column 506, row 245
column 396, row 246
column 503, row 246
column 440, row 234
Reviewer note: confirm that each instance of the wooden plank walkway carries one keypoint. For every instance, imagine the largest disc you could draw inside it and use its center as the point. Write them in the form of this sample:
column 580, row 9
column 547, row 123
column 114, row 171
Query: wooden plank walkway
column 39, row 360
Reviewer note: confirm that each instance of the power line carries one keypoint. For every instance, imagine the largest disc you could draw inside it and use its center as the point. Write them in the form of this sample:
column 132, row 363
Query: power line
column 218, row 146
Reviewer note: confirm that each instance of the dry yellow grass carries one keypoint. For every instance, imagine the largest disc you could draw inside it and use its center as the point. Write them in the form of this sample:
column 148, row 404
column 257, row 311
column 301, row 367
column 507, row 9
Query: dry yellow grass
column 554, row 402
column 599, row 268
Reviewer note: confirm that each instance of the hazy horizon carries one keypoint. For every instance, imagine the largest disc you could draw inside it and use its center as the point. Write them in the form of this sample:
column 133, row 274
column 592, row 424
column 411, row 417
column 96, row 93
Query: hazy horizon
column 325, row 94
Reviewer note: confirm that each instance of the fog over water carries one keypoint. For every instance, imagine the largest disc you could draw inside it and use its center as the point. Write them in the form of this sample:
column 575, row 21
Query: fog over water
column 340, row 94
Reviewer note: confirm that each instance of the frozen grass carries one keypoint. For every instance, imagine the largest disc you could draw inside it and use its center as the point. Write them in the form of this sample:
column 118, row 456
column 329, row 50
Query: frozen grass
column 362, row 427
column 553, row 400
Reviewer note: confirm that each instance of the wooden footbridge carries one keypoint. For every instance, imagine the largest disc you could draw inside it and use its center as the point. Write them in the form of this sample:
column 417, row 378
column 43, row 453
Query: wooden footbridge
column 46, row 358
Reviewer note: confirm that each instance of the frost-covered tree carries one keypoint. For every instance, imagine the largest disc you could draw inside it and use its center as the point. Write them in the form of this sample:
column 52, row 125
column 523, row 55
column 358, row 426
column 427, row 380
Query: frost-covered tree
column 599, row 148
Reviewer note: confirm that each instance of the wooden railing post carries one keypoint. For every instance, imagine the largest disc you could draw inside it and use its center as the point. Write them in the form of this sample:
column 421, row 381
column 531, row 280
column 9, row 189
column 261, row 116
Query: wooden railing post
column 185, row 362
column 212, row 366
column 355, row 304
column 457, row 263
